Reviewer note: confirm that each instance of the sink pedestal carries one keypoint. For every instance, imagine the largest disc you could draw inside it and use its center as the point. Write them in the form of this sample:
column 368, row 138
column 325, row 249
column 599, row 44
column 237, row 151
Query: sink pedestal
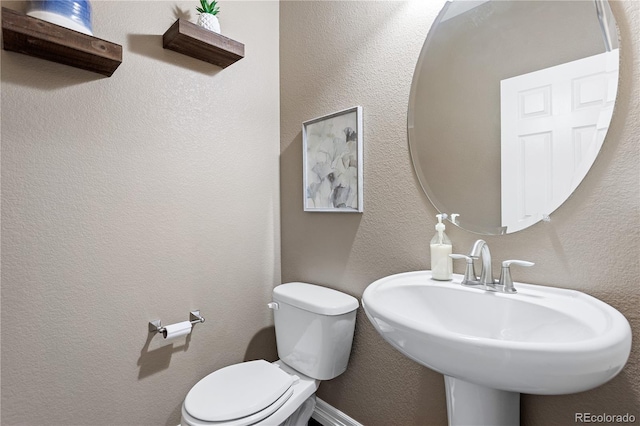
column 470, row 404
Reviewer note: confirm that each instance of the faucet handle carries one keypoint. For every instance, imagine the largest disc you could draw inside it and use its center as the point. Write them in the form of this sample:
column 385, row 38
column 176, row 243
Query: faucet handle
column 469, row 272
column 508, row 263
column 505, row 275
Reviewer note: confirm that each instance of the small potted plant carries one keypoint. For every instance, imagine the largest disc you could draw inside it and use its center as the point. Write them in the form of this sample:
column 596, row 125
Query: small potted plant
column 207, row 18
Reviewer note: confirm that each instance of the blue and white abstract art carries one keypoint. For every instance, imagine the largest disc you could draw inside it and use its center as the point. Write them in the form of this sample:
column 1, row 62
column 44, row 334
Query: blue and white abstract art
column 332, row 151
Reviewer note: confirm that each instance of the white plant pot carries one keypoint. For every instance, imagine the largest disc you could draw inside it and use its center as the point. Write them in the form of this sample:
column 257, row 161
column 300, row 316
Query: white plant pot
column 209, row 22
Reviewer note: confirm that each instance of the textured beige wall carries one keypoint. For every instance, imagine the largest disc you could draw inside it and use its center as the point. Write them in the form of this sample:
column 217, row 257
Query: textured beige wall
column 131, row 198
column 339, row 54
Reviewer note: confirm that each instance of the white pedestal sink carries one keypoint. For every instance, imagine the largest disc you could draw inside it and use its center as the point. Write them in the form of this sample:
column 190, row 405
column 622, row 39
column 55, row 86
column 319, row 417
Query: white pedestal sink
column 493, row 346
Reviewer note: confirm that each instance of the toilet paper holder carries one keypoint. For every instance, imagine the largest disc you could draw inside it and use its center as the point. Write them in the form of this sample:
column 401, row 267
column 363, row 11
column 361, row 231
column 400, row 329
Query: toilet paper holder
column 156, row 326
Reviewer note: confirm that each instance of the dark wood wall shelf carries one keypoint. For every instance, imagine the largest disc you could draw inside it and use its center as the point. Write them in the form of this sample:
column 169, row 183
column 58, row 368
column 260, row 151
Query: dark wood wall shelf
column 42, row 39
column 191, row 40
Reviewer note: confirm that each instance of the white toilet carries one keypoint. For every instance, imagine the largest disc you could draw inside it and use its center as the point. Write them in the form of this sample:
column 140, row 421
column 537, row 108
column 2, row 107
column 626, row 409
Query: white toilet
column 314, row 331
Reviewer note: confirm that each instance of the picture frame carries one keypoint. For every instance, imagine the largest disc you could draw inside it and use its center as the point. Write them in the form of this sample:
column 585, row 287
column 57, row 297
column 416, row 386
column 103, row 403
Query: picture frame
column 332, row 147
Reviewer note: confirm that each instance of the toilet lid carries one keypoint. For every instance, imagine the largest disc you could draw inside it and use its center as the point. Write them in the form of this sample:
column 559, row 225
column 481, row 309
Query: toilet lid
column 237, row 391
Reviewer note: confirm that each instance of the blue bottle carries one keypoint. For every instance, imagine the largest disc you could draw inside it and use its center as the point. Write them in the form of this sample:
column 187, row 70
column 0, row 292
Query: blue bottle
column 72, row 14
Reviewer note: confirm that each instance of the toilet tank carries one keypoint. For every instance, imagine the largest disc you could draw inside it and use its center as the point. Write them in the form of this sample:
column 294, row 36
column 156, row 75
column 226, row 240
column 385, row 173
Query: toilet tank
column 314, row 328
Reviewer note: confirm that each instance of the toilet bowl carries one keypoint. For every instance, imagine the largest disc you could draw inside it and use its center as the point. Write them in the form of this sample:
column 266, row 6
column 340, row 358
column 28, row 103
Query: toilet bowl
column 270, row 403
column 314, row 332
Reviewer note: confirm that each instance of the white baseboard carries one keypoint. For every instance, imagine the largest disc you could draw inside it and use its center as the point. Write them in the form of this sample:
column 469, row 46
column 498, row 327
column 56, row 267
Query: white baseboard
column 327, row 415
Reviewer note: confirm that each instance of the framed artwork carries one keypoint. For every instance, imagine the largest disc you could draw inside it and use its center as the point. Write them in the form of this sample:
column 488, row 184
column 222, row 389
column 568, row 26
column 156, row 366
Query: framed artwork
column 332, row 162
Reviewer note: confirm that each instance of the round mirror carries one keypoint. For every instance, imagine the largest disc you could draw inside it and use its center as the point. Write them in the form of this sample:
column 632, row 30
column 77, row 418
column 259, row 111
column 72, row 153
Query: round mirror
column 509, row 106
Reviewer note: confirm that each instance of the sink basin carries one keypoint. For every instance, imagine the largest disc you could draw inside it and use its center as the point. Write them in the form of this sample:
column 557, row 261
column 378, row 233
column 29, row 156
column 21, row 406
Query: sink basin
column 541, row 340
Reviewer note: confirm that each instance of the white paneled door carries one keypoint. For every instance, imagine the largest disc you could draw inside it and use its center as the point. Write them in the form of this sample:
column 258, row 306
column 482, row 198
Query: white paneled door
column 553, row 123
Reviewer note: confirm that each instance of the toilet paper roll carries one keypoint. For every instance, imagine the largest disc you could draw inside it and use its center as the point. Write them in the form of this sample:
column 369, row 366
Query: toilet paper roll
column 176, row 330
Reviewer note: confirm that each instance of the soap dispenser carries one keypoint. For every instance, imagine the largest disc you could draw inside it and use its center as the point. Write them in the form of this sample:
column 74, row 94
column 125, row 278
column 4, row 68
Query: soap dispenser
column 441, row 263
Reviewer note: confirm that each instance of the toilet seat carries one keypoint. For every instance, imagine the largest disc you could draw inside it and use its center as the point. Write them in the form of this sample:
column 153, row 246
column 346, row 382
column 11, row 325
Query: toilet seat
column 240, row 394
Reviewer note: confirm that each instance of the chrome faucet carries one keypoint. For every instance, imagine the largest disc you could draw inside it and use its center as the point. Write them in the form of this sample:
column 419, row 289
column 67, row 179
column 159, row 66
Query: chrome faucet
column 481, row 248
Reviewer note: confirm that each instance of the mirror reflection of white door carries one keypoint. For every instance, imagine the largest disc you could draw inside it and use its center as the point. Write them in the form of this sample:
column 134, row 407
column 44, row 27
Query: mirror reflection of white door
column 553, row 123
